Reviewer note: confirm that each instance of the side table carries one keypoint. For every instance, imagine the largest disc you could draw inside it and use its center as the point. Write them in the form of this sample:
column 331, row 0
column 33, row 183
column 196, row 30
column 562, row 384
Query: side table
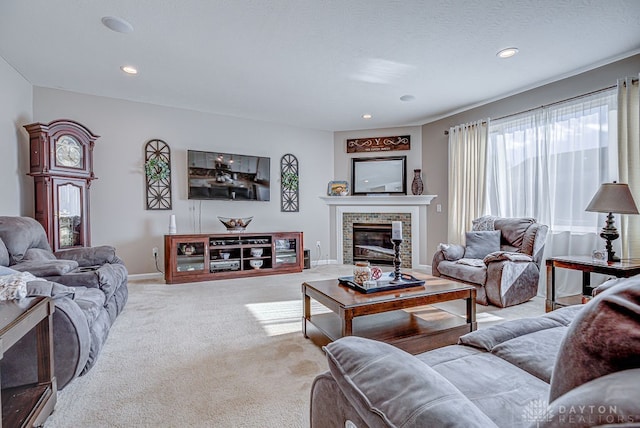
column 622, row 269
column 29, row 405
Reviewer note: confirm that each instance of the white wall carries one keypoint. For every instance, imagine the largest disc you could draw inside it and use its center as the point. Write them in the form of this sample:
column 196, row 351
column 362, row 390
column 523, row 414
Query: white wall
column 342, row 159
column 118, row 208
column 16, row 189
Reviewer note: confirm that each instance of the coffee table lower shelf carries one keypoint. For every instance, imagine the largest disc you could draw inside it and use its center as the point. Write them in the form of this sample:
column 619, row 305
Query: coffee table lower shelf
column 425, row 329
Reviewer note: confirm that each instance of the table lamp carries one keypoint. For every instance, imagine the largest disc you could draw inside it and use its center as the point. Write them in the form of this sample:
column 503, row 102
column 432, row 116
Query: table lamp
column 612, row 198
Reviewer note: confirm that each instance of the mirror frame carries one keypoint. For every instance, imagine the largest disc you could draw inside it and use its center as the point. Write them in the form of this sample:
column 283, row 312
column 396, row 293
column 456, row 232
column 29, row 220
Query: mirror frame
column 380, row 162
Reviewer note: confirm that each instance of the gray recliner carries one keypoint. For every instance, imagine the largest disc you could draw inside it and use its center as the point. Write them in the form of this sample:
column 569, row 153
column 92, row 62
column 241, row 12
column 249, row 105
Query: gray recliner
column 88, row 286
column 502, row 258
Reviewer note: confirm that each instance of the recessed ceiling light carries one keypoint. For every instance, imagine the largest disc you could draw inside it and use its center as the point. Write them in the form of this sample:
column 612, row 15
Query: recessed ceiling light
column 407, row 98
column 129, row 69
column 366, row 116
column 507, row 53
column 116, row 24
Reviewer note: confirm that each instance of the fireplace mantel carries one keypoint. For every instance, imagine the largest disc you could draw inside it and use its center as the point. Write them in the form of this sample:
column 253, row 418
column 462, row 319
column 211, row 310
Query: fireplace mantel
column 416, row 205
column 415, row 200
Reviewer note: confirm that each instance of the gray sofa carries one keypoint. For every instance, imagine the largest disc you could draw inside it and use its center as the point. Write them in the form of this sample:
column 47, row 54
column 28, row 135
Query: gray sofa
column 501, row 258
column 88, row 286
column 576, row 366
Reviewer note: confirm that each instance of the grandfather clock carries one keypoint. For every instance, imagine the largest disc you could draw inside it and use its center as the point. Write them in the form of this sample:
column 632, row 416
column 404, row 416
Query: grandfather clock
column 61, row 164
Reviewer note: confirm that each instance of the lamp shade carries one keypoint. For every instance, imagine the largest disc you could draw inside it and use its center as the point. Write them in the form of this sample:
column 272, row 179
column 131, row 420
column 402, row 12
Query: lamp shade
column 613, row 198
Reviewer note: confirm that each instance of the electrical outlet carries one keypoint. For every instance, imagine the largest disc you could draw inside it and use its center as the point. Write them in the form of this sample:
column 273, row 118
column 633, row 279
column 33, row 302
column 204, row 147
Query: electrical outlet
column 155, row 252
column 318, row 244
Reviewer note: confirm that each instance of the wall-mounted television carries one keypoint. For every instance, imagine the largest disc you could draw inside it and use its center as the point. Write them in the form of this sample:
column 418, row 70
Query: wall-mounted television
column 379, row 175
column 228, row 176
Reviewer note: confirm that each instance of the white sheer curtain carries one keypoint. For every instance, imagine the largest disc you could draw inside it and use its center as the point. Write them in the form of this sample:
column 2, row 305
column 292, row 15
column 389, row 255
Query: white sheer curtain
column 548, row 164
column 629, row 160
column 467, row 163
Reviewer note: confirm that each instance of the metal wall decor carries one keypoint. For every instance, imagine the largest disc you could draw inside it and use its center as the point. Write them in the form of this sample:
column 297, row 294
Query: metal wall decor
column 157, row 168
column 379, row 144
column 289, row 183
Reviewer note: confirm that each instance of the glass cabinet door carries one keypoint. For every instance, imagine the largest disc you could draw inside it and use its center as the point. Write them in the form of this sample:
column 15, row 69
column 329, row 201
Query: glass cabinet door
column 190, row 256
column 286, row 251
column 69, row 214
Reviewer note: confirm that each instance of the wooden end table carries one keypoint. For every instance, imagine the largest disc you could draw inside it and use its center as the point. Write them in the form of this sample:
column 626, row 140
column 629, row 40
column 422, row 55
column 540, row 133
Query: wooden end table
column 622, row 269
column 29, row 405
column 387, row 315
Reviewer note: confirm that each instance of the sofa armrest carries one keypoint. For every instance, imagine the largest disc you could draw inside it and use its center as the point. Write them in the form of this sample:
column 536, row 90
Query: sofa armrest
column 90, row 256
column 449, row 252
column 508, row 256
column 71, row 340
column 389, row 387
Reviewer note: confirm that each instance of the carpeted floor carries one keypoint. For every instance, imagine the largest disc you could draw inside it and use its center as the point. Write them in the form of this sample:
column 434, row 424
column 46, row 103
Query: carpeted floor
column 224, row 353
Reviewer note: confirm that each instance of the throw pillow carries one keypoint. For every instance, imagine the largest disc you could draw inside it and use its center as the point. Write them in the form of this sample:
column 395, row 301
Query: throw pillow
column 481, row 243
column 14, row 286
column 484, row 223
column 603, row 338
column 451, row 251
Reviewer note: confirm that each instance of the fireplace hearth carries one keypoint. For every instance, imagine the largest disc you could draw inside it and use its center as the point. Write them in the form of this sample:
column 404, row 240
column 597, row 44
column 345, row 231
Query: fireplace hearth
column 372, row 243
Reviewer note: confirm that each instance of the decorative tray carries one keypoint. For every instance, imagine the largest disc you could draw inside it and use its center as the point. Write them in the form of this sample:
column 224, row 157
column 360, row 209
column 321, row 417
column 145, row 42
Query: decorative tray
column 385, row 283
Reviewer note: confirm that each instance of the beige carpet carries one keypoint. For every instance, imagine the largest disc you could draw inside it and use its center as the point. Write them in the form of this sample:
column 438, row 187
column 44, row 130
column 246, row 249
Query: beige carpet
column 212, row 354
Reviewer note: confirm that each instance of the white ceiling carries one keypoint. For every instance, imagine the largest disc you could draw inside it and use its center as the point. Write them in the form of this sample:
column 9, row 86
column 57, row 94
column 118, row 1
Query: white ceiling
column 317, row 64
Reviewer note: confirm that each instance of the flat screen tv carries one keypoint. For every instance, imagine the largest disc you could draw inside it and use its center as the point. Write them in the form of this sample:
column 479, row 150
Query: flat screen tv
column 383, row 175
column 228, row 176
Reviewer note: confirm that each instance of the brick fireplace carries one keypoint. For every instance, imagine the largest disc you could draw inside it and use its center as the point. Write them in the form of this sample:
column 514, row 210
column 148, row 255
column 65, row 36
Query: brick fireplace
column 349, row 220
column 411, row 210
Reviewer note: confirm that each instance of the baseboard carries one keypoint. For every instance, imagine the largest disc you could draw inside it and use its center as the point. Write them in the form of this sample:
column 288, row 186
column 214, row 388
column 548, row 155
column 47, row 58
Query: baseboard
column 144, row 276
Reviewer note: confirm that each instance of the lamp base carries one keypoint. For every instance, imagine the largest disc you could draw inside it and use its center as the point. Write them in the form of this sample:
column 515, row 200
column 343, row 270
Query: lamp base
column 610, row 233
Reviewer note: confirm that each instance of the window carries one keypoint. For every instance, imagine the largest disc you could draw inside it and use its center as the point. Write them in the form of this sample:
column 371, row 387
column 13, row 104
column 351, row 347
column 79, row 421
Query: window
column 548, row 163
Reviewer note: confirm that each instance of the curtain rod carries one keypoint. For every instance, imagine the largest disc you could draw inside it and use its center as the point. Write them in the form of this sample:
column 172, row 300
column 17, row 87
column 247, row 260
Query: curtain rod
column 446, row 132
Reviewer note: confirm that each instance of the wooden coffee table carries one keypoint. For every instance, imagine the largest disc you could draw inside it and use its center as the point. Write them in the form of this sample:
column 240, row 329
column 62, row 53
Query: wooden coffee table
column 399, row 317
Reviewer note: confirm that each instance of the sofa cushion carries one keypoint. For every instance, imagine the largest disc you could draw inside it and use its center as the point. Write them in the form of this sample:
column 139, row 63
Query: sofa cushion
column 45, row 269
column 41, row 287
column 389, row 387
column 463, row 272
column 603, row 338
column 535, row 352
column 480, row 243
column 38, row 254
column 490, row 337
column 498, row 388
column 21, row 233
column 4, row 254
column 513, row 229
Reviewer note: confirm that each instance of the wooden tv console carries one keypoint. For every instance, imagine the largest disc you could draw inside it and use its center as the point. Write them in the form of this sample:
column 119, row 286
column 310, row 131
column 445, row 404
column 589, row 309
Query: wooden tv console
column 206, row 257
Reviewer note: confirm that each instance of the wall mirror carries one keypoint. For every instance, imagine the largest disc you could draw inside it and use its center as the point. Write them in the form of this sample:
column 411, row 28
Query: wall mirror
column 379, row 175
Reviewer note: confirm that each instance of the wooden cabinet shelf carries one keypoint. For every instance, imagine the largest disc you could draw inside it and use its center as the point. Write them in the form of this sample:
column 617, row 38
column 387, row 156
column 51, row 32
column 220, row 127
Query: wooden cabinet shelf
column 205, row 257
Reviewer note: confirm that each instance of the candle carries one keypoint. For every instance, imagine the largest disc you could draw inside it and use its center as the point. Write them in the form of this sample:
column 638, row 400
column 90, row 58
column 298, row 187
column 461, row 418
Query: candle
column 172, row 224
column 396, row 230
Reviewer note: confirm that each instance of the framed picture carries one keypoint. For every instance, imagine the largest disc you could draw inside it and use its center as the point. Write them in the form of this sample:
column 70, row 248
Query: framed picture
column 338, row 188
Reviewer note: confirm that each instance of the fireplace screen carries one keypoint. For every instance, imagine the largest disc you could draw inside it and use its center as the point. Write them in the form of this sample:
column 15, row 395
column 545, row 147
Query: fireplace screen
column 372, row 243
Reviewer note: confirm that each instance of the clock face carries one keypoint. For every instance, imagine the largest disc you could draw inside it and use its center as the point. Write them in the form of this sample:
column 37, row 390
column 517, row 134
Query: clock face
column 68, row 152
